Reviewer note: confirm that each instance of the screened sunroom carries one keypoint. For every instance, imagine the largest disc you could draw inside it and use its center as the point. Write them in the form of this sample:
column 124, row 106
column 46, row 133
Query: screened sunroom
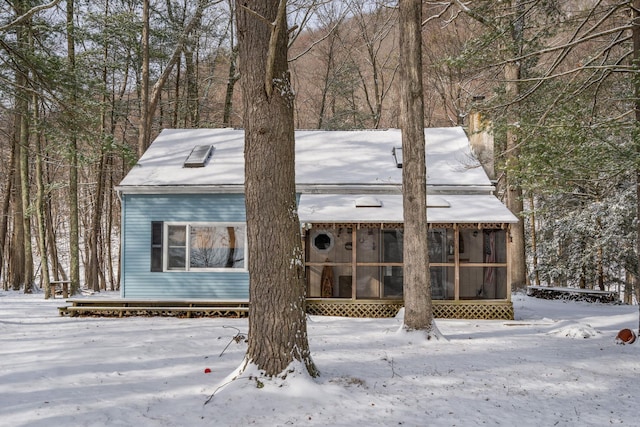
column 355, row 267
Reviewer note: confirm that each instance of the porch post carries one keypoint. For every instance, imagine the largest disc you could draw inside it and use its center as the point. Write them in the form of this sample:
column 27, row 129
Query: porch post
column 354, row 260
column 508, row 237
column 456, row 261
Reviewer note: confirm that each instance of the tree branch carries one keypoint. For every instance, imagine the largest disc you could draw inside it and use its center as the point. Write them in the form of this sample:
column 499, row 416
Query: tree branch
column 190, row 27
column 273, row 43
column 20, row 19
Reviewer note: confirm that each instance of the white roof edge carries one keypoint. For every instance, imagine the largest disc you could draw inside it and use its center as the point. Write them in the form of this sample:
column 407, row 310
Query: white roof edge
column 390, row 189
column 181, row 189
column 302, row 188
column 463, row 208
column 461, row 189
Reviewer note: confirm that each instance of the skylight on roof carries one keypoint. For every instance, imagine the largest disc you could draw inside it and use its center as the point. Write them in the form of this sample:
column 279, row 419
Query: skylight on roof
column 397, row 156
column 368, row 202
column 199, row 156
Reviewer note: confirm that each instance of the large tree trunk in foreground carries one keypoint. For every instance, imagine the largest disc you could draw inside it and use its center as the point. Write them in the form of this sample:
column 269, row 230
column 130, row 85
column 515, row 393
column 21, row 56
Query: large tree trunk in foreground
column 277, row 318
column 417, row 287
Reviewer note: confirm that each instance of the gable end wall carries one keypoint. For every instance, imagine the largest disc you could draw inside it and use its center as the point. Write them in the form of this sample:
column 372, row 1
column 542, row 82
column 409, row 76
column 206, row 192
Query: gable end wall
column 139, row 210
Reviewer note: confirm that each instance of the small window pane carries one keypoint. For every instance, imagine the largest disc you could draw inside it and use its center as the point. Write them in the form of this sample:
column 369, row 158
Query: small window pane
column 368, row 282
column 440, row 245
column 177, row 247
column 216, row 247
column 177, row 235
column 393, row 241
column 393, row 282
column 495, row 246
column 368, row 245
column 176, row 259
column 442, row 282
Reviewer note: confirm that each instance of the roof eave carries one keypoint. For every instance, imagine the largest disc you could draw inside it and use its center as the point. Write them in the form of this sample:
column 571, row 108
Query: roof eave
column 181, row 189
column 388, row 188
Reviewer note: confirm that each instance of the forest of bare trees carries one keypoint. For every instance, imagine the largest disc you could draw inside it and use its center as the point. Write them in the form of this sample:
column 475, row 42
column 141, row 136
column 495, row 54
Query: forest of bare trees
column 86, row 85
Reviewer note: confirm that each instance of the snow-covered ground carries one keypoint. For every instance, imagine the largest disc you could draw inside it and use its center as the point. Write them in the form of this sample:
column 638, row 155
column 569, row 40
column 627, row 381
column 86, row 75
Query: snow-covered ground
column 557, row 364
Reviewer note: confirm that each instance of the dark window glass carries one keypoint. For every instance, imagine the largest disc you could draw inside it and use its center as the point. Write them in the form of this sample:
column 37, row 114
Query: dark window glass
column 177, row 247
column 156, row 246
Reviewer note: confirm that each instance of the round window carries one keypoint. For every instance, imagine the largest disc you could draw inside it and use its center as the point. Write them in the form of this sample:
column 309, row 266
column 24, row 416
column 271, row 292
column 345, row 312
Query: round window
column 323, row 241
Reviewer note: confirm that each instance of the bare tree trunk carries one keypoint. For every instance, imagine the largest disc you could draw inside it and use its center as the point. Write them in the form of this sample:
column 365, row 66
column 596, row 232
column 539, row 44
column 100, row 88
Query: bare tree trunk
column 6, row 201
column 514, row 199
column 417, row 284
column 22, row 106
column 325, row 82
column 26, row 205
column 534, row 242
column 16, row 275
column 144, row 125
column 635, row 13
column 629, row 280
column 277, row 318
column 600, row 267
column 193, row 100
column 152, row 96
column 109, row 226
column 74, row 222
column 56, row 268
column 232, row 77
column 93, row 263
column 231, row 82
column 41, row 209
column 176, row 92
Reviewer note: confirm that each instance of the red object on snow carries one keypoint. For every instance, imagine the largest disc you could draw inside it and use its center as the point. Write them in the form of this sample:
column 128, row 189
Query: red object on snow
column 626, row 336
column 207, row 371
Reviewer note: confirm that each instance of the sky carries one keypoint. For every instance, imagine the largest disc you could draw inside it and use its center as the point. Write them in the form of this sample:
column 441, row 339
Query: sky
column 556, row 364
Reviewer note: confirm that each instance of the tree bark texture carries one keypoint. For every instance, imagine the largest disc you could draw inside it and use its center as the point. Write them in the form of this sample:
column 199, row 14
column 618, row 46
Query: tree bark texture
column 74, row 214
column 16, row 274
column 277, row 318
column 417, row 287
column 513, row 190
column 24, row 39
column 635, row 13
column 144, row 125
column 40, row 205
column 6, row 203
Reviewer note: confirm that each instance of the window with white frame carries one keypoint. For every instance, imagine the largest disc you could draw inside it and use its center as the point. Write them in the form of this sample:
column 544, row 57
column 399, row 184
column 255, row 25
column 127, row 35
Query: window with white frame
column 204, row 246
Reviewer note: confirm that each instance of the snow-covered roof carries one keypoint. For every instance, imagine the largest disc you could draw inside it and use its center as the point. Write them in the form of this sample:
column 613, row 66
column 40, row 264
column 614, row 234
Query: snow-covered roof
column 343, row 176
column 323, row 158
column 467, row 208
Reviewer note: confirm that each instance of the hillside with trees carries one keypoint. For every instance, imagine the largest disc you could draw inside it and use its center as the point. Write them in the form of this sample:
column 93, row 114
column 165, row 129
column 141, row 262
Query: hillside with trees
column 86, row 86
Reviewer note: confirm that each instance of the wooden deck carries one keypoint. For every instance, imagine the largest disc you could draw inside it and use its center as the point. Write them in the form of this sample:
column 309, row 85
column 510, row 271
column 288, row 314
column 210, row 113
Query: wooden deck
column 132, row 307
column 576, row 294
column 448, row 309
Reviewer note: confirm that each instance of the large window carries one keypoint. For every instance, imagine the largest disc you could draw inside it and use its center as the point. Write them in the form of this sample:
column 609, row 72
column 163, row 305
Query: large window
column 354, row 262
column 204, row 247
column 467, row 262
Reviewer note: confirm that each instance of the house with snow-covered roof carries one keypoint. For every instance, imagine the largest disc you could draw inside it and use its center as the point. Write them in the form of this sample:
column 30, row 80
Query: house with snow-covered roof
column 184, row 233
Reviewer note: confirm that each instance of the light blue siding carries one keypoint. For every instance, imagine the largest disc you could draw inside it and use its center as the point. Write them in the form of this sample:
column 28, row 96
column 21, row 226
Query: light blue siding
column 139, row 210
